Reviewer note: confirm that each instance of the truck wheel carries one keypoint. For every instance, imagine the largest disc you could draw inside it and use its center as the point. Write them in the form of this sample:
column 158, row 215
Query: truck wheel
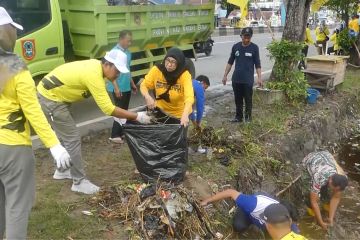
column 208, row 51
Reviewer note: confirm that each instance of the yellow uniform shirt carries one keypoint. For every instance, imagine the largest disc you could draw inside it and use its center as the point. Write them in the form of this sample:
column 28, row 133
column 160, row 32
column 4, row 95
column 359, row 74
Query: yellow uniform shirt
column 182, row 92
column 293, row 236
column 354, row 25
column 75, row 81
column 321, row 35
column 333, row 39
column 308, row 39
column 19, row 106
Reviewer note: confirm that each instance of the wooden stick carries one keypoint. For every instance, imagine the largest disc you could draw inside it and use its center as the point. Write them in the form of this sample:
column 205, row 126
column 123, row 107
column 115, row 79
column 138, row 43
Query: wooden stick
column 288, row 186
column 262, row 15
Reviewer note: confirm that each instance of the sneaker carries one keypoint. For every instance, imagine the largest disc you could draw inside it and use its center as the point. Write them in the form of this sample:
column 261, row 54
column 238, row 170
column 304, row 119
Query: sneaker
column 117, row 140
column 235, row 120
column 85, row 186
column 62, row 175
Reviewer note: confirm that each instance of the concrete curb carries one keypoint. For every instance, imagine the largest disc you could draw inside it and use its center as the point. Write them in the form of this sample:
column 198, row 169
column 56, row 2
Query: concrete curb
column 223, row 31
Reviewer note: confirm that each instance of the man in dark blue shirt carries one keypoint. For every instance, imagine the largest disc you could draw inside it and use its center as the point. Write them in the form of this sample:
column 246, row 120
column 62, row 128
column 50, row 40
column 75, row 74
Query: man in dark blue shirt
column 246, row 56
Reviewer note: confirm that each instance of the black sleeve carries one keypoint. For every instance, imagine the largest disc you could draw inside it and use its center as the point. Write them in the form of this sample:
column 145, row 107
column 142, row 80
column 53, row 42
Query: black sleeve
column 232, row 56
column 257, row 62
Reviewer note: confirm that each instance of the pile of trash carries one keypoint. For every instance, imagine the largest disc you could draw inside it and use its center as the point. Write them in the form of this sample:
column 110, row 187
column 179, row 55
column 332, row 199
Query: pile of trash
column 155, row 212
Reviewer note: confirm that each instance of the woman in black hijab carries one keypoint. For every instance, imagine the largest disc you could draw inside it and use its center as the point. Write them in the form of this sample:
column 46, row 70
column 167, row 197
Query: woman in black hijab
column 172, row 84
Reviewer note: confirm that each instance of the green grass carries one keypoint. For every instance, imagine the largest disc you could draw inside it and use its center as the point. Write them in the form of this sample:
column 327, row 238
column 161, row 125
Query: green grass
column 53, row 219
column 351, row 82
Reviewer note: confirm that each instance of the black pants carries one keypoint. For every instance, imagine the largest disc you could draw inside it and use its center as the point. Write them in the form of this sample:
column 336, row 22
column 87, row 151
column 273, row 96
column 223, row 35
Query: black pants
column 241, row 221
column 331, row 50
column 304, row 51
column 123, row 102
column 243, row 91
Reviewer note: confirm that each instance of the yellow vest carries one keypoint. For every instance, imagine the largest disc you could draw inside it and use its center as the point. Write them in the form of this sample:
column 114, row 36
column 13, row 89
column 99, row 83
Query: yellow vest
column 182, row 92
column 75, row 81
column 19, row 107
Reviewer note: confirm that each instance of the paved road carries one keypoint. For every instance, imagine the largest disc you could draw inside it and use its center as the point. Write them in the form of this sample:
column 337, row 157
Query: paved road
column 88, row 116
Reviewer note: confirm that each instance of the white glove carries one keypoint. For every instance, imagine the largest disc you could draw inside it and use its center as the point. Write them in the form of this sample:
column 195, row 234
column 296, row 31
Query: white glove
column 143, row 118
column 61, row 157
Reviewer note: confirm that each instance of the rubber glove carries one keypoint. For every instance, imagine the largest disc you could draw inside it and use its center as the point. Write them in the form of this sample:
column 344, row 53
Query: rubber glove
column 61, row 156
column 143, row 118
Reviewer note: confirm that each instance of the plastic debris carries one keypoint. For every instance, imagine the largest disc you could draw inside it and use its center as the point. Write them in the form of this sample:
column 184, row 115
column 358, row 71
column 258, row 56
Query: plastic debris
column 87, row 213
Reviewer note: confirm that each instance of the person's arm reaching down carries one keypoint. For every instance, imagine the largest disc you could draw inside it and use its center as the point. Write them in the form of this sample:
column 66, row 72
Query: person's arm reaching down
column 334, row 203
column 188, row 98
column 200, row 104
column 229, row 65
column 149, row 84
column 26, row 92
column 314, row 200
column 257, row 64
column 229, row 193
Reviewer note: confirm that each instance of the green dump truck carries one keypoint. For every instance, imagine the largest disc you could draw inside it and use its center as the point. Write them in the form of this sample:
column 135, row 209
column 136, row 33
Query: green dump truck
column 57, row 31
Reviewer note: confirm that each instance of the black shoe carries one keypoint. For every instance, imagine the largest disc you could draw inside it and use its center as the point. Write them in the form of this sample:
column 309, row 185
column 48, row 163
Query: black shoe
column 235, row 120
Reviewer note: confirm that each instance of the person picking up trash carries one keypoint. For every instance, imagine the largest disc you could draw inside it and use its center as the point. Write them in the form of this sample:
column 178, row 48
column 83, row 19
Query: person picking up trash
column 250, row 208
column 278, row 223
column 73, row 82
column 174, row 93
column 246, row 56
column 200, row 84
column 19, row 107
column 324, row 175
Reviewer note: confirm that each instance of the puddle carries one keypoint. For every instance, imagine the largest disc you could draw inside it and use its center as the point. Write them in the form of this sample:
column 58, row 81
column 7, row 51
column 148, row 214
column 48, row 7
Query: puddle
column 348, row 216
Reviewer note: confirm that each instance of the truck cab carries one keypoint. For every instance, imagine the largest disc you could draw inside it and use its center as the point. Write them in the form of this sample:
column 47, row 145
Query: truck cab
column 41, row 42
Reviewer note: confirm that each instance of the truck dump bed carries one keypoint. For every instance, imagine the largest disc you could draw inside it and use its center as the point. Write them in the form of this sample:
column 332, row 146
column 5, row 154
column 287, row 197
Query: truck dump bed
column 94, row 28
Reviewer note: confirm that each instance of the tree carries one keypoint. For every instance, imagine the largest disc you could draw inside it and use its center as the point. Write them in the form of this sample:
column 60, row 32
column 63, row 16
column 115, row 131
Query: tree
column 297, row 13
column 344, row 8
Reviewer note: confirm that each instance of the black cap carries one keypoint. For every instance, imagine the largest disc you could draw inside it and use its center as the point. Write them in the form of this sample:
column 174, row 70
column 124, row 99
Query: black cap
column 276, row 213
column 247, row 31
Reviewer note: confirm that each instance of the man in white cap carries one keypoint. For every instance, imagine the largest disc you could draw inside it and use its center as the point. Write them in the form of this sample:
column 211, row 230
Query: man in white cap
column 73, row 82
column 19, row 107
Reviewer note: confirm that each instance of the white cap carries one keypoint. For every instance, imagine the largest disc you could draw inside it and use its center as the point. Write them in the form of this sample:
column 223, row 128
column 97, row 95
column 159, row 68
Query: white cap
column 6, row 19
column 119, row 59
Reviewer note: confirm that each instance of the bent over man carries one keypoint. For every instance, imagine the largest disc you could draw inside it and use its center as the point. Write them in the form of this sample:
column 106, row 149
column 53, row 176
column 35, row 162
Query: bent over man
column 73, row 82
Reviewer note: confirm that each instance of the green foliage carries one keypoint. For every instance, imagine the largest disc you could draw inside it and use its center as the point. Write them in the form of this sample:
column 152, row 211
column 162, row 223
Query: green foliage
column 345, row 40
column 343, row 8
column 287, row 77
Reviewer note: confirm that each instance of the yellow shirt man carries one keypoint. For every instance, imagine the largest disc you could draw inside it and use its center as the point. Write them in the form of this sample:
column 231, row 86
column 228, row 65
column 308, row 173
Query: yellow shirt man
column 321, row 33
column 333, row 39
column 76, row 81
column 19, row 106
column 293, row 236
column 308, row 38
column 182, row 92
column 354, row 25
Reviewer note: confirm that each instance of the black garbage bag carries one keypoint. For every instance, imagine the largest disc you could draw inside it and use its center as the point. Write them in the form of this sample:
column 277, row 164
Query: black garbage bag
column 159, row 151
